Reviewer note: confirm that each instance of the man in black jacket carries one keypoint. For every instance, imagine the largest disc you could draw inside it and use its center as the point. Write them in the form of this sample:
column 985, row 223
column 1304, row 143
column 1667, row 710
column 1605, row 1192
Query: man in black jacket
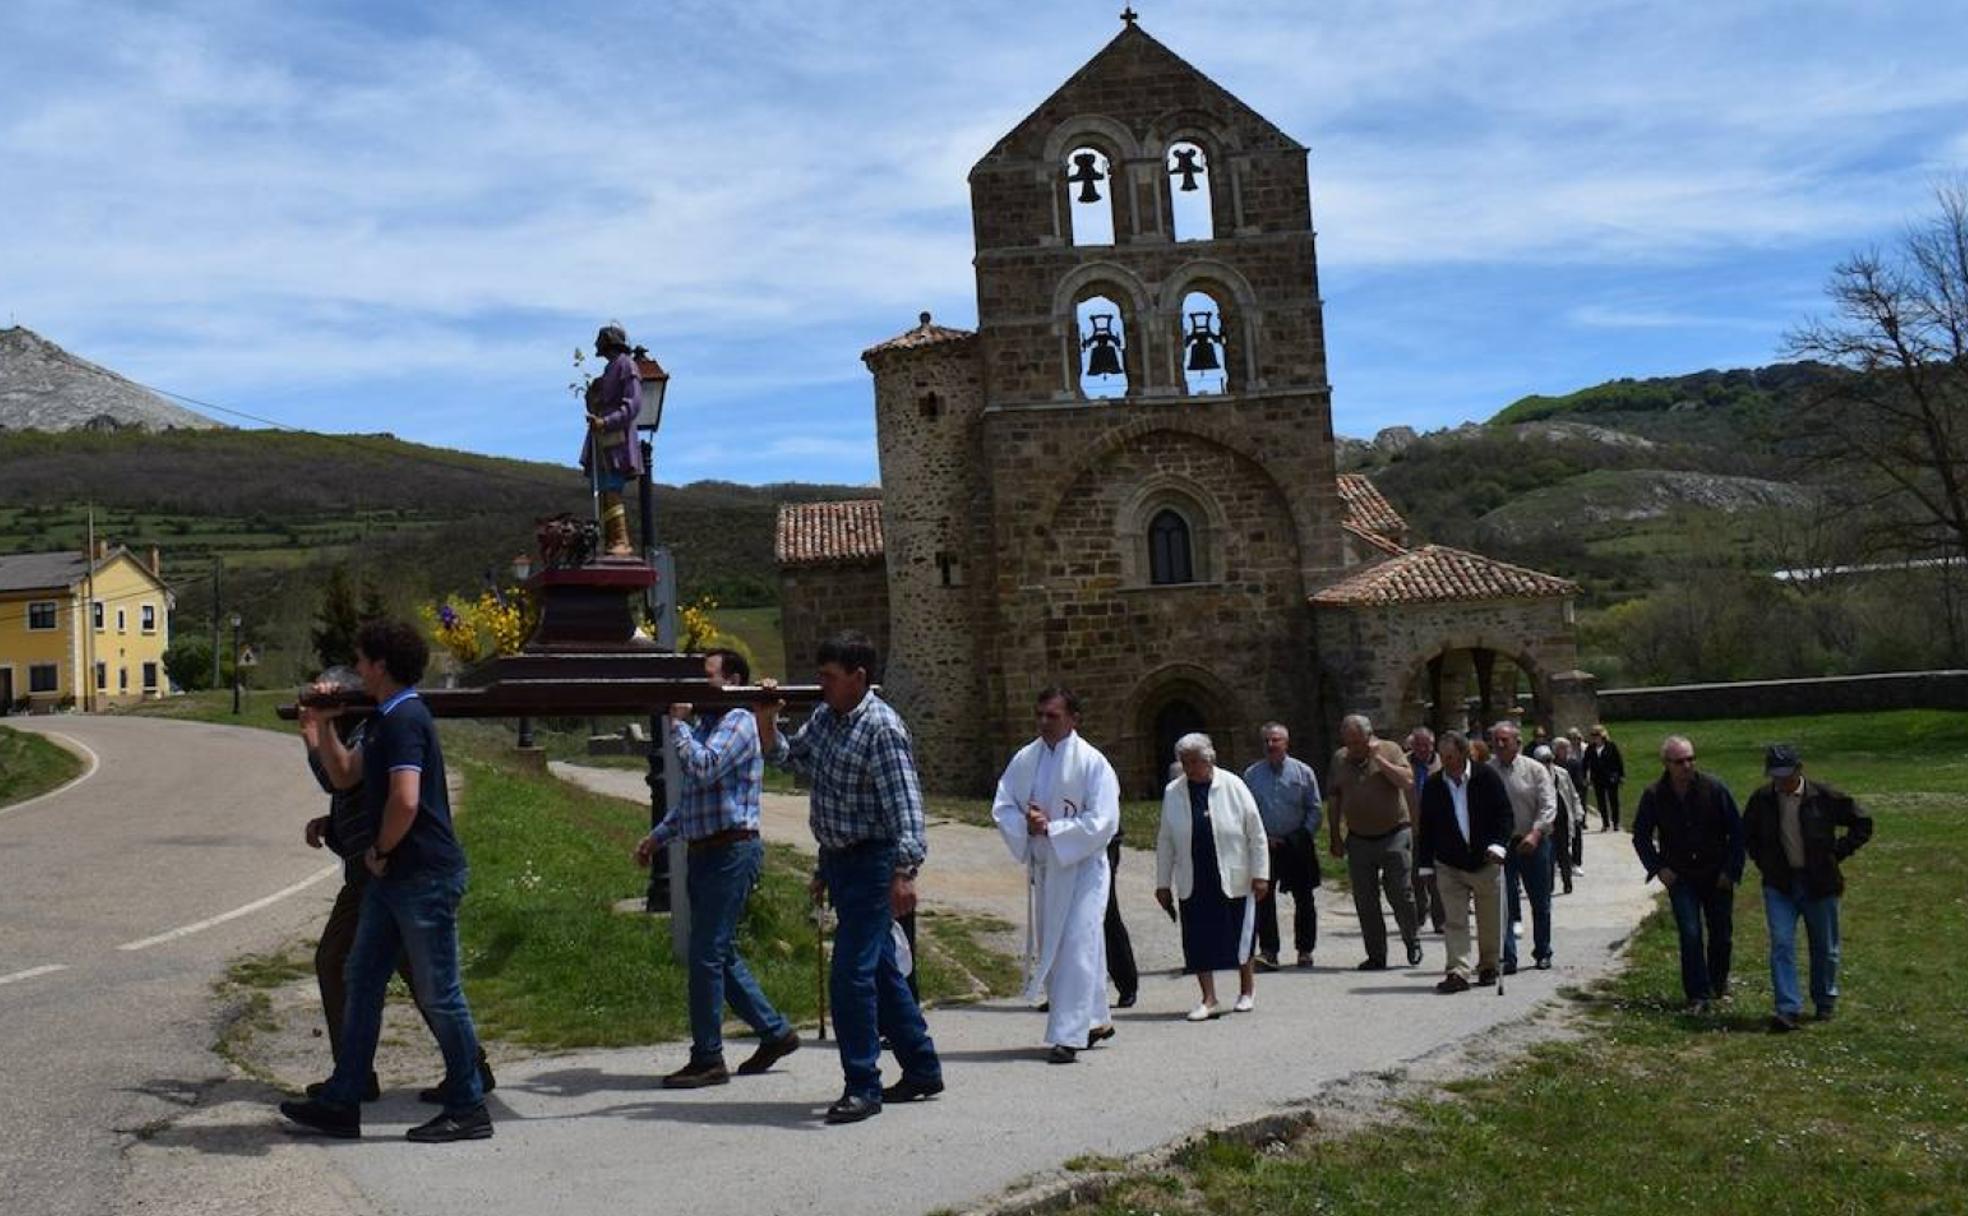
column 1797, row 831
column 1689, row 834
column 1466, row 821
column 1605, row 772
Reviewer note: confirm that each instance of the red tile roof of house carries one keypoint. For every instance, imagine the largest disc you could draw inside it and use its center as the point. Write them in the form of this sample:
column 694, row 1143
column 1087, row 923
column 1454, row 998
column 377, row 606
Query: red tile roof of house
column 1372, row 540
column 1367, row 507
column 1439, row 574
column 827, row 533
column 926, row 333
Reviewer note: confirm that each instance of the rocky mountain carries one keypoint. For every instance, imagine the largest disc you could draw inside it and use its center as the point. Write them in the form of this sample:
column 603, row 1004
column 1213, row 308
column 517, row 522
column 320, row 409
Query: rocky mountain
column 45, row 388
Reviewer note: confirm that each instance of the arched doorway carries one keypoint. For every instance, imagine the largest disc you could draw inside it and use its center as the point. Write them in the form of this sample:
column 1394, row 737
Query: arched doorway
column 1177, row 717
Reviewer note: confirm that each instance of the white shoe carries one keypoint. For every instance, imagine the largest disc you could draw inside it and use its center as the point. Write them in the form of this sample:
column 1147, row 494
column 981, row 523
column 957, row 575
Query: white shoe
column 1204, row 1012
column 1245, row 1003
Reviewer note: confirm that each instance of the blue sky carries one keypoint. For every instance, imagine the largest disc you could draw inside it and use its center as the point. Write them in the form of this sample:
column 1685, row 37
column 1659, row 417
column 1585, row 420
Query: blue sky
column 404, row 217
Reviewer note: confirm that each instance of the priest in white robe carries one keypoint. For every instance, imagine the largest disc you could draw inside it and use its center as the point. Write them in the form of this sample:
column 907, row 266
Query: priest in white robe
column 1057, row 806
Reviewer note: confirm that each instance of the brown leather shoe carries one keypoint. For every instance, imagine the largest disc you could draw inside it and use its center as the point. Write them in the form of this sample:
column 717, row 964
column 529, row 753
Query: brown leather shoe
column 1452, row 983
column 697, row 1076
column 769, row 1053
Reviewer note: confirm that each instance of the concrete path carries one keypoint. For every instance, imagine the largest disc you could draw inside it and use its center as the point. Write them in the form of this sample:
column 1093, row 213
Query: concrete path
column 124, row 897
column 592, row 1131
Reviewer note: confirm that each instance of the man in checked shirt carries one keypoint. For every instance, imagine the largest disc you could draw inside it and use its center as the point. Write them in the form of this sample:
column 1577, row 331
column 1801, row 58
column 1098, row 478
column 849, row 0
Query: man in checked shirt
column 718, row 818
column 867, row 816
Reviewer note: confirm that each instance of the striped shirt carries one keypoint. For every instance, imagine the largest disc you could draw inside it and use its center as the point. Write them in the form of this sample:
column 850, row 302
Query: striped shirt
column 863, row 774
column 721, row 772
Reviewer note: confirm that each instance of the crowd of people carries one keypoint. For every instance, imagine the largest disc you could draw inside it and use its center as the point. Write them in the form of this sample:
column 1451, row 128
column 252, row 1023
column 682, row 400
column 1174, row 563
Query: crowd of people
column 1479, row 824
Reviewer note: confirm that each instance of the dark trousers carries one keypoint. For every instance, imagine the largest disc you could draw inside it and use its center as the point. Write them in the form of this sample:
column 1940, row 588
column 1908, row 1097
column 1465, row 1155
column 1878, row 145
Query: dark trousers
column 1561, row 841
column 1120, row 949
column 1704, row 972
column 331, row 964
column 1428, row 900
column 1608, row 798
column 1294, row 872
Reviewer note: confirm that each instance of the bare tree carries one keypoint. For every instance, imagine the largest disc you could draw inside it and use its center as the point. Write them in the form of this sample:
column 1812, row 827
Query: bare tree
column 1897, row 409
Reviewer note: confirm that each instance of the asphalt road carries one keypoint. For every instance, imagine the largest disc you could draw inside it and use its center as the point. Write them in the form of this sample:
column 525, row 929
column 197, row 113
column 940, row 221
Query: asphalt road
column 122, row 897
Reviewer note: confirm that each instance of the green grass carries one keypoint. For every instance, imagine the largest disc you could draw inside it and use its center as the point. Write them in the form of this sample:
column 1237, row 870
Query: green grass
column 1657, row 1111
column 30, row 765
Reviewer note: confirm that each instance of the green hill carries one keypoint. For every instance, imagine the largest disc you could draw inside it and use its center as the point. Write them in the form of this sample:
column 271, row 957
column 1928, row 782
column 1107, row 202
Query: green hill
column 275, row 511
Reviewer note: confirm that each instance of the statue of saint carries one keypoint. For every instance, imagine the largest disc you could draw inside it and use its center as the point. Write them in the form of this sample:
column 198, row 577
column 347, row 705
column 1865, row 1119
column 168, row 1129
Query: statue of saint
column 611, row 457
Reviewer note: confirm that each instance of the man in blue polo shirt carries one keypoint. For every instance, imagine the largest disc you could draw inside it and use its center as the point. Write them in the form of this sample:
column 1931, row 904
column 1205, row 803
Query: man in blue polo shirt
column 412, row 906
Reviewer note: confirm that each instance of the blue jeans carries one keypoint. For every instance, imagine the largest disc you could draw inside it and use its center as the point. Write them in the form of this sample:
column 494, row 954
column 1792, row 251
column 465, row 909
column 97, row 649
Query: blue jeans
column 870, row 996
column 416, row 917
column 1704, row 971
column 720, row 879
column 1533, row 870
column 1820, row 915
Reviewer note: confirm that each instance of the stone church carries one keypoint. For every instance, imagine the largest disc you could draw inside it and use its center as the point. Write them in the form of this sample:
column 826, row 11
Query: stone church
column 1123, row 479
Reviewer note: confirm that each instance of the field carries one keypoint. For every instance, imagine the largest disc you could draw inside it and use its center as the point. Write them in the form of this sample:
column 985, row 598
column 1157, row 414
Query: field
column 30, row 766
column 1653, row 1110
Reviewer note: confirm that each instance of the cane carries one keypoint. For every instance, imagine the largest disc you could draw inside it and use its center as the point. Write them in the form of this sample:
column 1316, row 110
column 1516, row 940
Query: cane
column 1031, row 923
column 820, row 962
column 1503, row 914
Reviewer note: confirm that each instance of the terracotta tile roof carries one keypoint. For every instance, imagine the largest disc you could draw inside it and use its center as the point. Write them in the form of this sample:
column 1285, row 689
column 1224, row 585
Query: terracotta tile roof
column 829, row 533
column 1368, row 508
column 1439, row 574
column 1372, row 540
column 925, row 333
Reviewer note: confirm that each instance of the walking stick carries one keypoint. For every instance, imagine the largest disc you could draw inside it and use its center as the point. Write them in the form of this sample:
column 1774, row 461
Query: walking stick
column 1503, row 913
column 820, row 962
column 1031, row 923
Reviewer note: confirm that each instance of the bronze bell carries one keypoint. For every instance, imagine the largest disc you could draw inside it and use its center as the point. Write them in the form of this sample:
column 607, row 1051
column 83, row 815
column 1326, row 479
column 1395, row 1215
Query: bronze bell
column 1103, row 346
column 1202, row 340
column 1186, row 168
column 1086, row 175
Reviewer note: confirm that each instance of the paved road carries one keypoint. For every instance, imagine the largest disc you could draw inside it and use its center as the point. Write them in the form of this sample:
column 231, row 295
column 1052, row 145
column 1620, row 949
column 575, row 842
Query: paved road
column 109, row 890
column 592, row 1131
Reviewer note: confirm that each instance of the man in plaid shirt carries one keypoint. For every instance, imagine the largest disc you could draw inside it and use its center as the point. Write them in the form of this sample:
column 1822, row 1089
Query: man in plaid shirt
column 867, row 816
column 717, row 815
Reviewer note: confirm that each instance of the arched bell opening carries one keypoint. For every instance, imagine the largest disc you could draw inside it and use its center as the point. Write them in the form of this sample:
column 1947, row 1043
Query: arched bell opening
column 1104, row 343
column 1192, row 208
column 1204, row 344
column 1088, row 180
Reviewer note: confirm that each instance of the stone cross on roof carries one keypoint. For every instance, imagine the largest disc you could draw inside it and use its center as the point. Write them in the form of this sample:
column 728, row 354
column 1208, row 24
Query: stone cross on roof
column 1129, row 16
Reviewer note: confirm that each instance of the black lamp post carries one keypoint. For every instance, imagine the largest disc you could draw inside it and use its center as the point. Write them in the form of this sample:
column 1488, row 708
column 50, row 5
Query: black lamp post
column 522, row 569
column 235, row 663
column 655, row 383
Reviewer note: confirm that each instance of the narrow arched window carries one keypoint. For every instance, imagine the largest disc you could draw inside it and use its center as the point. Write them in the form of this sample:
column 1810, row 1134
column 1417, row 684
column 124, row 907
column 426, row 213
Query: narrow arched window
column 1168, row 549
column 1089, row 196
column 1103, row 342
column 1189, row 192
column 1205, row 358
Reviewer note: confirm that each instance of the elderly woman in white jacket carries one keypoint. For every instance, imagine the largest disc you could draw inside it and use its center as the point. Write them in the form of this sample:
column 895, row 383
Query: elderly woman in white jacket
column 1212, row 855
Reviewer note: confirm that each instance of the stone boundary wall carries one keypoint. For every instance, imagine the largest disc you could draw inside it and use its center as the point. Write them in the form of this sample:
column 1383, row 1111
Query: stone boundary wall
column 1772, row 698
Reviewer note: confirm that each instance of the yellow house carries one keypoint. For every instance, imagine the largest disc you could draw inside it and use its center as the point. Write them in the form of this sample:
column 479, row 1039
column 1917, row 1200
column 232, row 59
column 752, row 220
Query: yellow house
column 47, row 662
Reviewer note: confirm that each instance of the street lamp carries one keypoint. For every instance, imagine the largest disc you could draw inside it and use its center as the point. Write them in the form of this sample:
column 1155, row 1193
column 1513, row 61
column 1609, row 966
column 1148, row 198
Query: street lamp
column 235, row 664
column 522, row 569
column 663, row 894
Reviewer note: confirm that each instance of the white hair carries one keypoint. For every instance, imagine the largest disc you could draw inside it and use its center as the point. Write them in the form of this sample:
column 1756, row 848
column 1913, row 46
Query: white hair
column 1359, row 722
column 1268, row 727
column 1671, row 740
column 1561, row 743
column 1509, row 725
column 1195, row 743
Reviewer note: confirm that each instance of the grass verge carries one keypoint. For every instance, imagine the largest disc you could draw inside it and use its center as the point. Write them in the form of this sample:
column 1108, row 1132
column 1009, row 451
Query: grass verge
column 1652, row 1110
column 31, row 766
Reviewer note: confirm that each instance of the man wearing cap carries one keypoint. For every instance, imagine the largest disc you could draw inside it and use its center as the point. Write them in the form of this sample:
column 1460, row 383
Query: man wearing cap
column 613, row 400
column 1797, row 831
column 1689, row 835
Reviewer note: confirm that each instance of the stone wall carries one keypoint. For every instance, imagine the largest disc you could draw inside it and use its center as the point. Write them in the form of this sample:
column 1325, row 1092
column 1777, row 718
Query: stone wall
column 1775, row 698
column 816, row 602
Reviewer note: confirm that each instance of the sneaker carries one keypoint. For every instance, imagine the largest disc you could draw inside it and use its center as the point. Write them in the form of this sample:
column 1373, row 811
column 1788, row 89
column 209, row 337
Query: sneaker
column 1414, row 952
column 1544, row 964
column 1454, row 983
column 1305, row 958
column 1203, row 1012
column 697, row 1074
column 1267, row 961
column 473, row 1124
column 1782, row 1023
column 911, row 1090
column 1244, row 1004
column 434, row 1096
column 341, row 1122
column 372, row 1092
column 769, row 1053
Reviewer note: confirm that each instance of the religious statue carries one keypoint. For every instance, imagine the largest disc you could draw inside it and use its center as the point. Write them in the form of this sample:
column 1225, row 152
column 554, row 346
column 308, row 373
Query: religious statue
column 611, row 457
